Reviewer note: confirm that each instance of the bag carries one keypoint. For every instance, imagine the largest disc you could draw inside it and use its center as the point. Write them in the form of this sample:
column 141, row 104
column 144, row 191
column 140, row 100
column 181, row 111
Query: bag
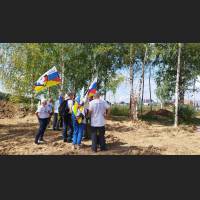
column 64, row 109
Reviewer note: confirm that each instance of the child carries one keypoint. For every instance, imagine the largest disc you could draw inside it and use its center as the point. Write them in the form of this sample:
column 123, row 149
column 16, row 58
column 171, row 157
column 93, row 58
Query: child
column 78, row 117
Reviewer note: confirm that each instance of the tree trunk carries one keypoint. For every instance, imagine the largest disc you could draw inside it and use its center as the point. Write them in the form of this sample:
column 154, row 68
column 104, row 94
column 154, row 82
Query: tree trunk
column 63, row 70
column 150, row 87
column 131, row 83
column 194, row 93
column 143, row 65
column 177, row 85
column 181, row 96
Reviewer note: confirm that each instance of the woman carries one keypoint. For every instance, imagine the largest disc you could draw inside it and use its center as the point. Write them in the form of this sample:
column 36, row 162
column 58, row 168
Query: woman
column 43, row 114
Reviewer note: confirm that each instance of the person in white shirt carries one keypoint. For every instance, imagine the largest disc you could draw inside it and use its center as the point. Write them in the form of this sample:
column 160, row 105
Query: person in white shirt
column 43, row 114
column 56, row 115
column 50, row 107
column 98, row 109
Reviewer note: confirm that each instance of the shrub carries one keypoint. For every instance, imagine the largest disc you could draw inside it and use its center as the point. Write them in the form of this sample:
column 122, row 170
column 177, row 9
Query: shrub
column 19, row 99
column 120, row 110
column 186, row 112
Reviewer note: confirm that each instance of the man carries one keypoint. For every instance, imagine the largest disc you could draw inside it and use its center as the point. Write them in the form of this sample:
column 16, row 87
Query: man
column 66, row 113
column 56, row 115
column 98, row 109
column 43, row 115
column 61, row 99
column 50, row 107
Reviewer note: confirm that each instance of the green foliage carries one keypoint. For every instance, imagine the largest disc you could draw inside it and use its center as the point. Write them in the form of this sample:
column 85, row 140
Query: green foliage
column 186, row 112
column 4, row 96
column 19, row 99
column 162, row 93
column 120, row 110
column 114, row 83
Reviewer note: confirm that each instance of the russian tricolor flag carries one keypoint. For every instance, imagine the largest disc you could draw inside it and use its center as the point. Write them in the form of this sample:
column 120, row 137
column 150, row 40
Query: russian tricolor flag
column 93, row 88
column 49, row 79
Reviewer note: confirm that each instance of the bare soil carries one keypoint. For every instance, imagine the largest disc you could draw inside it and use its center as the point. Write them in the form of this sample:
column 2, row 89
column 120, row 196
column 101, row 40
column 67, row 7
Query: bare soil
column 123, row 138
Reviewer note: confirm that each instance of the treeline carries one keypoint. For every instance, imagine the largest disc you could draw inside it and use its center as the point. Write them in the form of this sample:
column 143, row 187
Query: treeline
column 21, row 64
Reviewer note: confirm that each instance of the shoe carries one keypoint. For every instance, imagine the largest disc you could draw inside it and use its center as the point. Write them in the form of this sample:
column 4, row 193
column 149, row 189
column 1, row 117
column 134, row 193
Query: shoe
column 54, row 129
column 73, row 147
column 41, row 141
column 103, row 149
column 65, row 140
column 78, row 147
column 37, row 143
column 94, row 151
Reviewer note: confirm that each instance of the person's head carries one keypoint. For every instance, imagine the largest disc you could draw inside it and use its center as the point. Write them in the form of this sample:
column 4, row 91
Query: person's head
column 71, row 95
column 66, row 97
column 97, row 95
column 43, row 102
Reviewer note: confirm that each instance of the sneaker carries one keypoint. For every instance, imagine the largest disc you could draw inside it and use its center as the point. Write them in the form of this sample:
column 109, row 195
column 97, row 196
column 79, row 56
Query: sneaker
column 73, row 147
column 41, row 142
column 78, row 147
column 94, row 151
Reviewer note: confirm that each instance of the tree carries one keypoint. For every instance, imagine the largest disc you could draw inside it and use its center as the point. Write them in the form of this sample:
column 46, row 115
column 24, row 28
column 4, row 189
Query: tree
column 162, row 95
column 177, row 85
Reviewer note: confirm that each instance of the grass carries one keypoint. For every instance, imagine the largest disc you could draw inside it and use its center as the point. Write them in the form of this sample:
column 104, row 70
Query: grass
column 122, row 111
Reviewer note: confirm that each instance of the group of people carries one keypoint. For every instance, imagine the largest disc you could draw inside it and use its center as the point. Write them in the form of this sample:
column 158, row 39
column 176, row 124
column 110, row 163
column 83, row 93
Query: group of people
column 73, row 115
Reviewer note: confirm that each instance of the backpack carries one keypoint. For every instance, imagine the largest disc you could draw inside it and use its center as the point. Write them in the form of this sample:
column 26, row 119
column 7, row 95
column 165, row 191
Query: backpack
column 64, row 109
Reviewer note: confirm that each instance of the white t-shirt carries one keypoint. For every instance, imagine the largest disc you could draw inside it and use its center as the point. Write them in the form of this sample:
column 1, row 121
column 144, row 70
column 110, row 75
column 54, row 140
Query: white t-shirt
column 98, row 109
column 50, row 107
column 43, row 112
column 70, row 105
column 56, row 106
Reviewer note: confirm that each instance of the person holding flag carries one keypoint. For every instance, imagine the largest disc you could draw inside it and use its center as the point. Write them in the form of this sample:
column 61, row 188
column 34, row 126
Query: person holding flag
column 78, row 119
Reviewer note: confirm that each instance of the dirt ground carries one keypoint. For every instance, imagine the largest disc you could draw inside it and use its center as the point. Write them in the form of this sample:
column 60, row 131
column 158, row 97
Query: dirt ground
column 123, row 138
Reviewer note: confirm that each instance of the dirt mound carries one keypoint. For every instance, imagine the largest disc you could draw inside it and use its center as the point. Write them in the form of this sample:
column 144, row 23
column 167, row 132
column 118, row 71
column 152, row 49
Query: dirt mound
column 161, row 112
column 11, row 110
column 7, row 110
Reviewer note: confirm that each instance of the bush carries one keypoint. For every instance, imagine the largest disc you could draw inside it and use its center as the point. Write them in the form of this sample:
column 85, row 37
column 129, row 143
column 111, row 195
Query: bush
column 120, row 110
column 19, row 99
column 4, row 96
column 186, row 112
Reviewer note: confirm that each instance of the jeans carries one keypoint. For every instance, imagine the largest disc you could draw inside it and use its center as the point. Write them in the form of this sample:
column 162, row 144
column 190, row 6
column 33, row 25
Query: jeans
column 67, row 123
column 56, row 121
column 43, row 125
column 84, row 130
column 98, row 136
column 78, row 133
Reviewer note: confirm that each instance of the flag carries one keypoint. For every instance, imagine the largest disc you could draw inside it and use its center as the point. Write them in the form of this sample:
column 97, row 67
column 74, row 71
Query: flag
column 93, row 88
column 75, row 108
column 49, row 79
